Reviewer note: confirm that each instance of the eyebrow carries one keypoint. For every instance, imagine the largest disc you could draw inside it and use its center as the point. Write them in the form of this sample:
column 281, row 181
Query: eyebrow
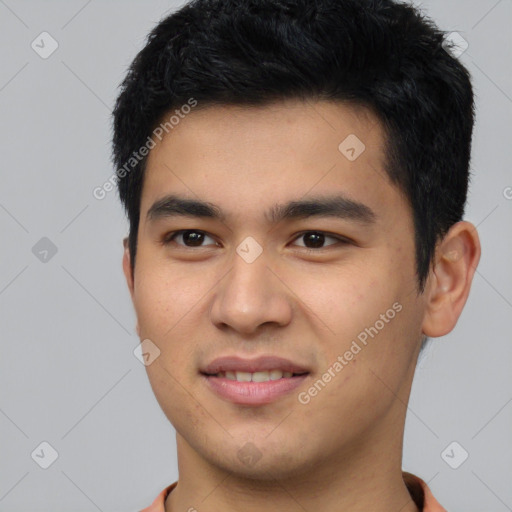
column 338, row 206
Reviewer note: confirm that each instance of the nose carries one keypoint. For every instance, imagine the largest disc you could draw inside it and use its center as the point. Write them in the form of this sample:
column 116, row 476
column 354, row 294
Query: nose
column 251, row 295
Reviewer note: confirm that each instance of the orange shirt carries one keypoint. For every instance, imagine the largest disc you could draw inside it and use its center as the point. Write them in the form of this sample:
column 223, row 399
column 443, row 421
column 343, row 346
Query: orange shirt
column 418, row 489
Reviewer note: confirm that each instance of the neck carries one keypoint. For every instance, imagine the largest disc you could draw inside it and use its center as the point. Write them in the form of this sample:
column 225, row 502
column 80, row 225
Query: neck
column 365, row 476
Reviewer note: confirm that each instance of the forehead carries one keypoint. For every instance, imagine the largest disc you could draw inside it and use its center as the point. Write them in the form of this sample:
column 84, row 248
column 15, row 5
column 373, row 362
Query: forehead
column 298, row 123
column 250, row 158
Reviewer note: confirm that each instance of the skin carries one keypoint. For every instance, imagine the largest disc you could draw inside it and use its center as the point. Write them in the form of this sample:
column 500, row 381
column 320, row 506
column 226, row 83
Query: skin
column 343, row 450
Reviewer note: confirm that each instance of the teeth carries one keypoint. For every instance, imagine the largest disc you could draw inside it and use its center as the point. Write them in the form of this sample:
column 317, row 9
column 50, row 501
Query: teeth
column 260, row 376
column 243, row 376
column 275, row 374
column 256, row 376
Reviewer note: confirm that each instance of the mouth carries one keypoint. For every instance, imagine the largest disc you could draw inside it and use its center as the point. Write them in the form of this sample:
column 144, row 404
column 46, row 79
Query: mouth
column 261, row 376
column 253, row 381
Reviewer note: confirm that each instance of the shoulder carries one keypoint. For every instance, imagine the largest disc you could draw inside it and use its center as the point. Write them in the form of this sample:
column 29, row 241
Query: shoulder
column 158, row 504
column 421, row 494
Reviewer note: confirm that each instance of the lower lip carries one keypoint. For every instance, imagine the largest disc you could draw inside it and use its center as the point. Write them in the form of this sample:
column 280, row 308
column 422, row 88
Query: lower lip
column 253, row 393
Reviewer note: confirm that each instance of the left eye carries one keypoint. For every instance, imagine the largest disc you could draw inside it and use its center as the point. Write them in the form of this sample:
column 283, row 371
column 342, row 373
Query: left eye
column 317, row 238
column 195, row 238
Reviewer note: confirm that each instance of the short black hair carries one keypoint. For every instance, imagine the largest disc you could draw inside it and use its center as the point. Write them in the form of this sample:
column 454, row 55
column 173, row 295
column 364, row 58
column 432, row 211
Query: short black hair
column 381, row 54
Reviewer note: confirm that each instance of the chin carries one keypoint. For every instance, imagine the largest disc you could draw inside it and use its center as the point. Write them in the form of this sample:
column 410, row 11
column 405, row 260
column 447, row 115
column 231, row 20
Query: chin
column 263, row 465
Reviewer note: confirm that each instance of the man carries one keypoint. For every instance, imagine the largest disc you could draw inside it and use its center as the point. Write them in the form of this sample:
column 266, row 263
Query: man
column 295, row 175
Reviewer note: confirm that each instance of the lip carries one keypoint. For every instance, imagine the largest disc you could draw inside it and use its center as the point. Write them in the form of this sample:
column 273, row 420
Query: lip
column 259, row 364
column 253, row 393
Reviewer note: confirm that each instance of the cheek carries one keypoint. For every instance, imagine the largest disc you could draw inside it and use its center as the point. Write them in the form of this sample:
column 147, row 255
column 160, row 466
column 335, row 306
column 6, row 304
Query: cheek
column 348, row 298
column 162, row 299
column 371, row 316
column 167, row 306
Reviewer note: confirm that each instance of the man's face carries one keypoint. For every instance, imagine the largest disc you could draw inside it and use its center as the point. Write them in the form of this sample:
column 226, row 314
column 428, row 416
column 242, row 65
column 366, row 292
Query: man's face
column 324, row 289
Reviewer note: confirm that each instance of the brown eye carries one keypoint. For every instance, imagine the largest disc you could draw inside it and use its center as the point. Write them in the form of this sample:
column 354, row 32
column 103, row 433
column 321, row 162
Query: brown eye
column 316, row 239
column 189, row 237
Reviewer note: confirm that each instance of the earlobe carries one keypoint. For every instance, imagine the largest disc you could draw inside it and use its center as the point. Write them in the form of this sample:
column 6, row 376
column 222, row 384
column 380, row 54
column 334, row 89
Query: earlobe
column 456, row 259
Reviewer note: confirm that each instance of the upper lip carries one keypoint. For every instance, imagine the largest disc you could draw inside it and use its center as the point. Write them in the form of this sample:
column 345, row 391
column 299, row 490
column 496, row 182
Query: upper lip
column 259, row 364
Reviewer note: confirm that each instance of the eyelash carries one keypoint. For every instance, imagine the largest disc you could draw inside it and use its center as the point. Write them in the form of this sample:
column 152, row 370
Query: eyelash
column 169, row 238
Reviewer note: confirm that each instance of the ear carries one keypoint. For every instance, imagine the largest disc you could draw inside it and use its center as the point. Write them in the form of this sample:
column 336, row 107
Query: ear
column 127, row 270
column 455, row 262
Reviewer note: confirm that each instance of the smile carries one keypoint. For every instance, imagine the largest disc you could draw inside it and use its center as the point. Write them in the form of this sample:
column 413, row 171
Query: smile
column 263, row 376
column 255, row 389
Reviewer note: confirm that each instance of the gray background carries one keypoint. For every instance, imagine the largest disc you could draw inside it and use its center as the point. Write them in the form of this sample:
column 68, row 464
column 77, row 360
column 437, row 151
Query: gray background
column 68, row 375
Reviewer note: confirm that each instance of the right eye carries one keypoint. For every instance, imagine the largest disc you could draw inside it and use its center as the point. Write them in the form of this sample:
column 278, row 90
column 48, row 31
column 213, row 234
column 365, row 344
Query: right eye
column 191, row 238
